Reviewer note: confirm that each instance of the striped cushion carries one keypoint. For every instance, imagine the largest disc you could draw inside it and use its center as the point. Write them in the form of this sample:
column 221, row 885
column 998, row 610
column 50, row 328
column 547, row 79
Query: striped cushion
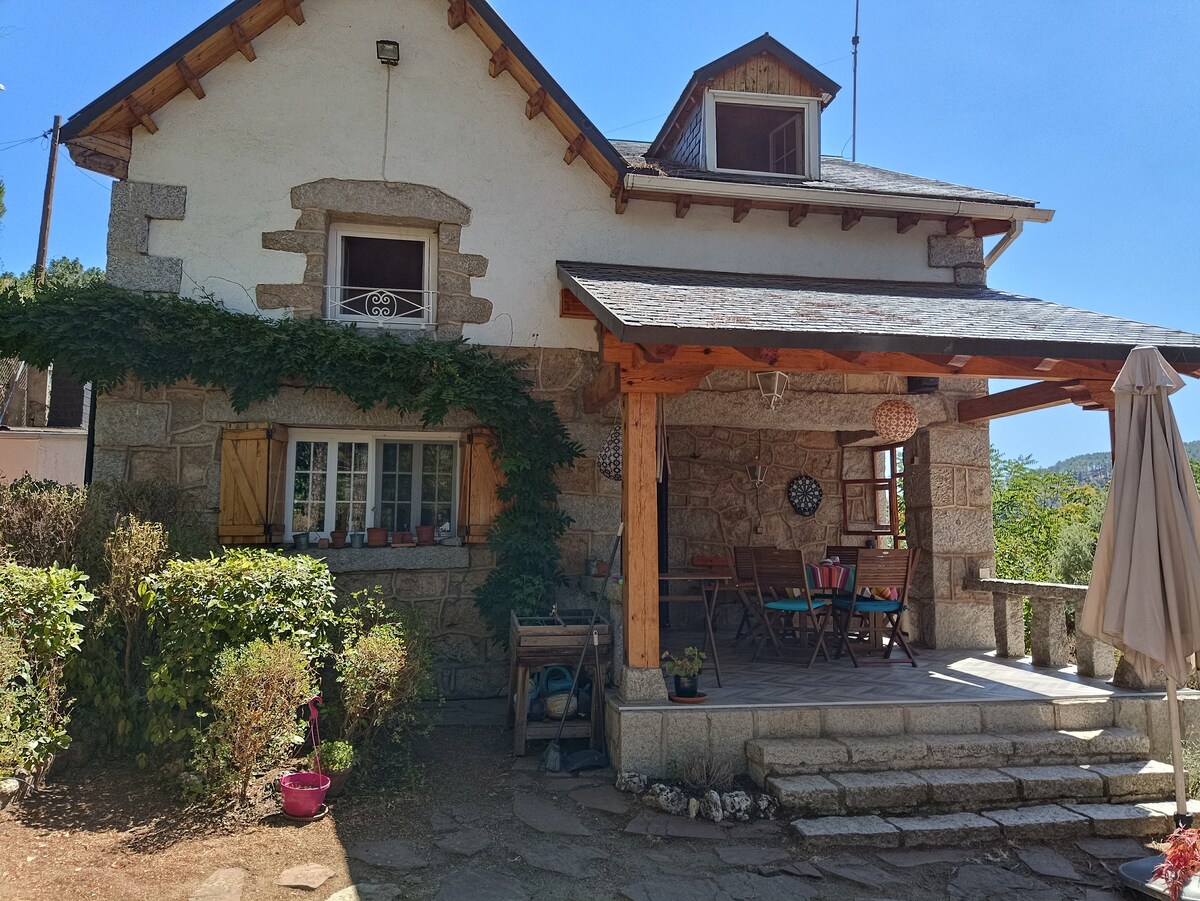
column 828, row 575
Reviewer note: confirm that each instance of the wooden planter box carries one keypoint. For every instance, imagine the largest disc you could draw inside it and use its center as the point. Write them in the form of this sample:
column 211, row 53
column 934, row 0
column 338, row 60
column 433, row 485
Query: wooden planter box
column 536, row 642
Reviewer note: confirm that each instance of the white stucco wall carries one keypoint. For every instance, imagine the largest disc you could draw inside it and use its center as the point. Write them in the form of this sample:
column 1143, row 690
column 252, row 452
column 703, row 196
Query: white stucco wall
column 57, row 454
column 312, row 106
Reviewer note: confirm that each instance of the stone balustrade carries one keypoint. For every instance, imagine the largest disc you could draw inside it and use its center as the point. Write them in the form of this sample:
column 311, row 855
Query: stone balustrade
column 1048, row 629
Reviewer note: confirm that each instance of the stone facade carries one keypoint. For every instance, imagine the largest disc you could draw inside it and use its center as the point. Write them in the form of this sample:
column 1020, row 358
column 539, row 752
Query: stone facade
column 378, row 203
column 173, row 435
column 962, row 254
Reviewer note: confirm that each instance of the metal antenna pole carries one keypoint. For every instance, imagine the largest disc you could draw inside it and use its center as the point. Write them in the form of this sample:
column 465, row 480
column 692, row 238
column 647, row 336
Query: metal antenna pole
column 854, row 95
column 39, row 266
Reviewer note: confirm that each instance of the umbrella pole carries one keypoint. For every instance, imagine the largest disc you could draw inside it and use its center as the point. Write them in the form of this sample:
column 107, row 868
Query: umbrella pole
column 1183, row 820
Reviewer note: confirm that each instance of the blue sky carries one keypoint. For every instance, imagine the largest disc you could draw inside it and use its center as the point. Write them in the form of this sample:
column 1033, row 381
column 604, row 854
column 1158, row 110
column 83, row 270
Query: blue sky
column 1090, row 108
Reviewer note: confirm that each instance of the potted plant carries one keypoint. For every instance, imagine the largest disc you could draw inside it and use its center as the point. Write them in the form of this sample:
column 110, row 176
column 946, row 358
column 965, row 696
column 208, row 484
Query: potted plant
column 425, row 535
column 377, row 537
column 1181, row 862
column 686, row 670
column 337, row 538
column 337, row 759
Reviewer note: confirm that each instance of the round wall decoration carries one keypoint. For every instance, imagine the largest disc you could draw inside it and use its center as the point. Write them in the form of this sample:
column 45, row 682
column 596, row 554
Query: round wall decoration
column 895, row 420
column 805, row 494
column 608, row 460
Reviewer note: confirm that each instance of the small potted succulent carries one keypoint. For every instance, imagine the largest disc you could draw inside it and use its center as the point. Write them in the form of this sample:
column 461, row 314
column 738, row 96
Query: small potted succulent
column 686, row 670
column 337, row 760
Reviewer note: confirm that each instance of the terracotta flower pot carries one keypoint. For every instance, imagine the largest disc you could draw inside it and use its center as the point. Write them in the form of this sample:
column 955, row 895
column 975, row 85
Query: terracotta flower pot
column 377, row 537
column 337, row 782
column 337, row 538
column 425, row 535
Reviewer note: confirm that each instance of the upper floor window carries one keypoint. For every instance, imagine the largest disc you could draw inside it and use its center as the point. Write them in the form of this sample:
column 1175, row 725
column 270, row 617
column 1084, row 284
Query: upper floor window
column 382, row 275
column 762, row 133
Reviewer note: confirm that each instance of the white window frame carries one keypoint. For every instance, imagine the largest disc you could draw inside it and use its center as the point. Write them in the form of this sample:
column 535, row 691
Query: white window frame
column 373, row 440
column 339, row 230
column 810, row 151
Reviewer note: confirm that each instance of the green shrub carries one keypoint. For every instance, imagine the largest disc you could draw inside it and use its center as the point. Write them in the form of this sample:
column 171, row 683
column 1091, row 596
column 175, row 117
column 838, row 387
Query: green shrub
column 337, row 756
column 134, row 551
column 40, row 522
column 204, row 607
column 256, row 690
column 39, row 623
column 383, row 675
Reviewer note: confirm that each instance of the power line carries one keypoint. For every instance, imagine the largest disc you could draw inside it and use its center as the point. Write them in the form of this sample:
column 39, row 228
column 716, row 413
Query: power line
column 9, row 145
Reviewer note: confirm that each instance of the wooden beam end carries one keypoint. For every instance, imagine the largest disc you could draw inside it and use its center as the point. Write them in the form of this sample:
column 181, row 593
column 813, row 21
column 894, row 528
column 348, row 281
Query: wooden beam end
column 851, row 218
column 741, row 209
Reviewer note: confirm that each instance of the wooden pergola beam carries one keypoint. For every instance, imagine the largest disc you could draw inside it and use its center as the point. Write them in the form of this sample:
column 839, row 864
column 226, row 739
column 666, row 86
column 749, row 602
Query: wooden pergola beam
column 1038, row 396
column 805, row 360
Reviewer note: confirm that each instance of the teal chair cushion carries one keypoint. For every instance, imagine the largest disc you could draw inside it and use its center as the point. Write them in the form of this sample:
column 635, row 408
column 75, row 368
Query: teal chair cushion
column 796, row 605
column 868, row 606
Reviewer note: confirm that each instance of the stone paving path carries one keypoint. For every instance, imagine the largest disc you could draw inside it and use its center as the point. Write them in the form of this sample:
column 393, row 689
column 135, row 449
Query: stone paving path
column 537, row 837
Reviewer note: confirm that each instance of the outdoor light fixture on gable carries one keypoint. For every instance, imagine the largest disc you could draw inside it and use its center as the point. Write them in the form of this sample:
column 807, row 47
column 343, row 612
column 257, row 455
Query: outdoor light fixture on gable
column 388, row 52
column 772, row 385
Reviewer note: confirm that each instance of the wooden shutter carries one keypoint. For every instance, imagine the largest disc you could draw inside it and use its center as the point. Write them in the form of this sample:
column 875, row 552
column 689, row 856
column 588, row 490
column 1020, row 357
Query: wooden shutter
column 478, row 502
column 253, row 469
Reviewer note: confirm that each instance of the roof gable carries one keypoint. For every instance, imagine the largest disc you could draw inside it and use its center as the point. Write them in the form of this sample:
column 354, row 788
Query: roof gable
column 762, row 66
column 99, row 136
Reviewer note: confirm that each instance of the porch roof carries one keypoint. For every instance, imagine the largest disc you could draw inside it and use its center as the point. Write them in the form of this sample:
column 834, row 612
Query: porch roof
column 652, row 305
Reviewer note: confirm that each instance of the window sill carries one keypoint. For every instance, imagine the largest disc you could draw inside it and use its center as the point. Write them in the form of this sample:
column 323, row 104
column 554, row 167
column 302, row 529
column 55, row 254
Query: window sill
column 385, row 559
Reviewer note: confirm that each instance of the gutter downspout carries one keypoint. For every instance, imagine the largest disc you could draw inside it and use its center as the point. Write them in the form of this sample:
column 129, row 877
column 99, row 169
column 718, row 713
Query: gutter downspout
column 1014, row 231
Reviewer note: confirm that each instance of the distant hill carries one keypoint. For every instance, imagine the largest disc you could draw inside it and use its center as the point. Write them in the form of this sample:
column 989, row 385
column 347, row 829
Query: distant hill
column 1096, row 469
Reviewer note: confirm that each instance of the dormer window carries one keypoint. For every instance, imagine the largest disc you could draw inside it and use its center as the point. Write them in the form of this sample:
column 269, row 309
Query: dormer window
column 762, row 133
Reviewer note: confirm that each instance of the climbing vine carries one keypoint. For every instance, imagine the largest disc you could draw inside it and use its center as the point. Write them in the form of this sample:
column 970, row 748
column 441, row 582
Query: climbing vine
column 105, row 335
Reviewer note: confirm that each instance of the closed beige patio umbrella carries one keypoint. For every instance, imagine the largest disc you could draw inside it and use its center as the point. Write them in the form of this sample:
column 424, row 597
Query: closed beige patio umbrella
column 1144, row 597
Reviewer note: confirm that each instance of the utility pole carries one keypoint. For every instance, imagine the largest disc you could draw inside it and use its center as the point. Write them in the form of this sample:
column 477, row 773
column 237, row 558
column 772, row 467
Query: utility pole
column 39, row 266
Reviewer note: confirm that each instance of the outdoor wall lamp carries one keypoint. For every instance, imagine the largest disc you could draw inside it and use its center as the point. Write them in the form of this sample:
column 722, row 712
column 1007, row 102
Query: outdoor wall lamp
column 772, row 385
column 388, row 52
column 757, row 473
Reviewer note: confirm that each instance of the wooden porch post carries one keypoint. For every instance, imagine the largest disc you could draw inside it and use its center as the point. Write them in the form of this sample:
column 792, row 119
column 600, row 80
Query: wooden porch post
column 639, row 502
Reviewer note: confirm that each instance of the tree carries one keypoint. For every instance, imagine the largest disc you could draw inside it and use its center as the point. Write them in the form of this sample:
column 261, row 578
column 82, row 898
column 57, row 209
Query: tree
column 1030, row 509
column 3, row 208
column 62, row 272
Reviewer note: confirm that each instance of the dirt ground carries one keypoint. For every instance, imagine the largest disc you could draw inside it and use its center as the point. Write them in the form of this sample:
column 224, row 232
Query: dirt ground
column 476, row 824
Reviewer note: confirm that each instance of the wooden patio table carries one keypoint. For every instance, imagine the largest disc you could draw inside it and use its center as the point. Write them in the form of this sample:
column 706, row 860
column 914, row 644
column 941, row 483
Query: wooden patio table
column 710, row 584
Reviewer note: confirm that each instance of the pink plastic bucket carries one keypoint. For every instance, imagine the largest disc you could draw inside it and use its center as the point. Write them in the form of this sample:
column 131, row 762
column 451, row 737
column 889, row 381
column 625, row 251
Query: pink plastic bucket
column 303, row 793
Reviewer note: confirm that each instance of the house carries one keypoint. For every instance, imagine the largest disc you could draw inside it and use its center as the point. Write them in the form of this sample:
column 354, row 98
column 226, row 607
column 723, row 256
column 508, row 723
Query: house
column 270, row 161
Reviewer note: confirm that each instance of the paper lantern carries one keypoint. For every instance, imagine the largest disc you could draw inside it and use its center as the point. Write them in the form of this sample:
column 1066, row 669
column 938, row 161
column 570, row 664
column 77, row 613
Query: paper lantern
column 608, row 460
column 895, row 421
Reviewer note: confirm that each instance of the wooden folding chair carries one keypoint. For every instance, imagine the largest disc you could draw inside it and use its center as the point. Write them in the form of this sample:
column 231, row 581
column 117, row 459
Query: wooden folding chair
column 754, row 616
column 777, row 575
column 879, row 568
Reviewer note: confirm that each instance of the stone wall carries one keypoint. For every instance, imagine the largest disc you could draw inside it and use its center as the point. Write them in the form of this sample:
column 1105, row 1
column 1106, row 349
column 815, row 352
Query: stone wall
column 173, row 435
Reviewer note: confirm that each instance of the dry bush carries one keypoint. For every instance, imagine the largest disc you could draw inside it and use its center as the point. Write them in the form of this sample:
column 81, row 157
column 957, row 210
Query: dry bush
column 256, row 690
column 40, row 522
column 704, row 772
column 383, row 674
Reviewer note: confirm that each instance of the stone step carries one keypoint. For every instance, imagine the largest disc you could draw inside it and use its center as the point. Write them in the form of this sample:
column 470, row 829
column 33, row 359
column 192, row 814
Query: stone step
column 949, row 790
column 1026, row 824
column 806, row 756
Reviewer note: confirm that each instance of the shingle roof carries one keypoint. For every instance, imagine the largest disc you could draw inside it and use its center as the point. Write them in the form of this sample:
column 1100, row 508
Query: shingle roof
column 837, row 174
column 649, row 305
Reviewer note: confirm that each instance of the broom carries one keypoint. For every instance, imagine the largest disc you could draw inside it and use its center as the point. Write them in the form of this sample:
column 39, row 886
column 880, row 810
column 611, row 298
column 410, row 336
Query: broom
column 552, row 760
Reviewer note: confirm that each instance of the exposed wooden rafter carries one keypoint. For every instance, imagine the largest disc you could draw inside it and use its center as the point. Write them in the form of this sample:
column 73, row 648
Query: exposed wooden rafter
column 621, row 196
column 682, row 205
column 906, row 222
column 768, row 356
column 574, row 149
column 499, row 62
column 797, row 213
column 850, row 218
column 659, row 353
column 293, row 10
column 959, row 361
column 535, row 104
column 190, row 77
column 242, row 41
column 141, row 115
column 1038, row 396
column 1047, row 364
column 456, row 15
column 741, row 209
column 956, row 225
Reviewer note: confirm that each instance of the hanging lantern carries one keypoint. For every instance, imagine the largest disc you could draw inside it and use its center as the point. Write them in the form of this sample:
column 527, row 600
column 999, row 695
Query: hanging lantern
column 757, row 473
column 608, row 460
column 895, row 421
column 772, row 385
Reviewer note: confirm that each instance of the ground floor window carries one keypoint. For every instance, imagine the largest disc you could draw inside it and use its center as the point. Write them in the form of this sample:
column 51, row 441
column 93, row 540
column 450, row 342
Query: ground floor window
column 351, row 481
